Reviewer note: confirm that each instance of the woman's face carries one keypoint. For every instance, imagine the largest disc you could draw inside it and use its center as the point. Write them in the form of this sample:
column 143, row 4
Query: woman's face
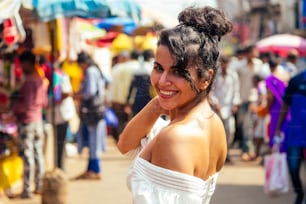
column 174, row 91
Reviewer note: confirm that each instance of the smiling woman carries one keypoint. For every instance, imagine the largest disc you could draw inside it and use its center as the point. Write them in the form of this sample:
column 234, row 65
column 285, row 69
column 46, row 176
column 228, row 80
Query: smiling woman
column 187, row 151
column 173, row 89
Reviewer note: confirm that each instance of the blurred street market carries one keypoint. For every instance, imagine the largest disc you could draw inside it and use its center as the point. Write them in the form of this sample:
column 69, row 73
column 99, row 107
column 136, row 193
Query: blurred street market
column 46, row 49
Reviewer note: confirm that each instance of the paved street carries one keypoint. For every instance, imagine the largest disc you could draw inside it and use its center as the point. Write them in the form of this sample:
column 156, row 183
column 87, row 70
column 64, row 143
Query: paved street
column 240, row 183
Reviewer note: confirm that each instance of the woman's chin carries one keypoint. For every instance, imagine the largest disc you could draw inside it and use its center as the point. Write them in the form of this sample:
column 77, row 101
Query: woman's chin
column 167, row 107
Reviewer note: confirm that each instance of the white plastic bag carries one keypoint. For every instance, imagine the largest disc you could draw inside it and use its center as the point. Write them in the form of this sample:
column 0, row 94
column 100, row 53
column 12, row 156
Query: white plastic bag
column 67, row 109
column 276, row 174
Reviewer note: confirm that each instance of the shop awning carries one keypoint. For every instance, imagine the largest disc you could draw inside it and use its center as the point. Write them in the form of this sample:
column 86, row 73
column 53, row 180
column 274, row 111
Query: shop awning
column 51, row 9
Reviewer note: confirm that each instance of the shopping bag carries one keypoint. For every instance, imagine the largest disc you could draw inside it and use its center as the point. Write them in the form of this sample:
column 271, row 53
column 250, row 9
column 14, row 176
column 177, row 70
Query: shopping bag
column 11, row 171
column 276, row 174
column 67, row 109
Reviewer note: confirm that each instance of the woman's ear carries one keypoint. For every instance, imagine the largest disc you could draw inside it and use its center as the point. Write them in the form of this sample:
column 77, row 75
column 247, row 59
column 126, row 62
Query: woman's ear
column 206, row 80
column 204, row 84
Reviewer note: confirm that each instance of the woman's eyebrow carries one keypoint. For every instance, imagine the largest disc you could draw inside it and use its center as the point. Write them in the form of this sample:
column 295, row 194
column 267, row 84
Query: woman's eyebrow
column 160, row 66
column 157, row 64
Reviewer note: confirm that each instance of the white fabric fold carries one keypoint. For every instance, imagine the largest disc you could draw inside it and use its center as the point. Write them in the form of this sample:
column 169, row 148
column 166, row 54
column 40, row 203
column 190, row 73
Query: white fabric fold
column 153, row 184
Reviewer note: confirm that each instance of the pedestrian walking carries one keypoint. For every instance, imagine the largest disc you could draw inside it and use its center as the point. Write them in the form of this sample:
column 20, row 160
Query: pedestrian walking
column 93, row 125
column 122, row 75
column 258, row 113
column 226, row 97
column 276, row 83
column 294, row 99
column 140, row 89
column 249, row 67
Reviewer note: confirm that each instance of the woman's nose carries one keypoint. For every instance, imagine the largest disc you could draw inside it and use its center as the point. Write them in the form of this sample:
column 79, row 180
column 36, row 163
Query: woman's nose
column 164, row 79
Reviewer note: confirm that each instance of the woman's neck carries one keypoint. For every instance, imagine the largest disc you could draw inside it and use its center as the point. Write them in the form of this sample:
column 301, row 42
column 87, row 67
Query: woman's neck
column 192, row 106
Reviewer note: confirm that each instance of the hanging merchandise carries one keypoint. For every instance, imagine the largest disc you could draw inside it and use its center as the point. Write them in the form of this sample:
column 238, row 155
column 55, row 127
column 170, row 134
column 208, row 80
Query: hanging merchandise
column 20, row 28
column 73, row 70
column 10, row 32
column 121, row 43
column 150, row 42
column 125, row 24
column 11, row 168
column 41, row 38
column 9, row 8
column 105, row 41
column 145, row 42
column 61, row 40
column 88, row 30
column 73, row 37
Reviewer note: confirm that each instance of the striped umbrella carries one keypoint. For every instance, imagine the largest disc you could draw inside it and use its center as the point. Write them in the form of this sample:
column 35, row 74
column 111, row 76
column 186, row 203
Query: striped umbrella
column 282, row 44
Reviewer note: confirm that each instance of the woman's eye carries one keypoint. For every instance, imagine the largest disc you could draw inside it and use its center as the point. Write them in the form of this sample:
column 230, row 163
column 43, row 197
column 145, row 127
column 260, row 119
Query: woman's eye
column 158, row 68
column 176, row 72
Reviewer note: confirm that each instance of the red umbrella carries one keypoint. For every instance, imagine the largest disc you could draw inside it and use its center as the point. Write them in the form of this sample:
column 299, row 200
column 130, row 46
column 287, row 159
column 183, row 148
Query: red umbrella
column 282, row 44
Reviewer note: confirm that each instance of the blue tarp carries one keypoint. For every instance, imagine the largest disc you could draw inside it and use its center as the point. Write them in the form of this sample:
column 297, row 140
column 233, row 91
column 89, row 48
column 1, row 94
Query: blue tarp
column 47, row 10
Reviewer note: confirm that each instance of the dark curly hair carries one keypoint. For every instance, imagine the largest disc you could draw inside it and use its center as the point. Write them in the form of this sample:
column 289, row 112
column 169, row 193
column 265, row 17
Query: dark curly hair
column 194, row 42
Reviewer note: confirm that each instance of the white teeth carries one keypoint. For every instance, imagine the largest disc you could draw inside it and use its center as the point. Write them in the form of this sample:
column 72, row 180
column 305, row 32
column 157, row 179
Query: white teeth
column 168, row 93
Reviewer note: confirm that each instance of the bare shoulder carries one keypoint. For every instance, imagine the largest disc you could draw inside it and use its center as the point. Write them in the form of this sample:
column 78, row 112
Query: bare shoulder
column 177, row 145
column 182, row 134
column 216, row 125
column 196, row 147
column 218, row 146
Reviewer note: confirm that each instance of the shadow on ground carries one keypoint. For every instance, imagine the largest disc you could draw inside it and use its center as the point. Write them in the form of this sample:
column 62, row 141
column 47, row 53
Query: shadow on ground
column 247, row 194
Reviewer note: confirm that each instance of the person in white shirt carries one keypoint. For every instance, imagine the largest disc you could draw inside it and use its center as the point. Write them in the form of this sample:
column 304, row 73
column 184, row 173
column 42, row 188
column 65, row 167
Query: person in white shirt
column 140, row 88
column 249, row 67
column 122, row 75
column 226, row 97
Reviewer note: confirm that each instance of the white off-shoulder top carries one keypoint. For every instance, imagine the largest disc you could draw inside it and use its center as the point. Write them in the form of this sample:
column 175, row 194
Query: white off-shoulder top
column 151, row 184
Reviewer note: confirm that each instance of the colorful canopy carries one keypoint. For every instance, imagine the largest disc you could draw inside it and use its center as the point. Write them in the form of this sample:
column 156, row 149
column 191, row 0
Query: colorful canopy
column 128, row 25
column 51, row 9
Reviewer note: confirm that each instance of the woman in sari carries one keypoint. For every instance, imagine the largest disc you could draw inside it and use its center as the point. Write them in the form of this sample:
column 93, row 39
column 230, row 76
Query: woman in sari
column 276, row 83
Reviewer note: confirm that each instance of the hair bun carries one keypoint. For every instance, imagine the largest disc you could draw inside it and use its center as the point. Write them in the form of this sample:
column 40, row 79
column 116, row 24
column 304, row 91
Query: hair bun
column 207, row 20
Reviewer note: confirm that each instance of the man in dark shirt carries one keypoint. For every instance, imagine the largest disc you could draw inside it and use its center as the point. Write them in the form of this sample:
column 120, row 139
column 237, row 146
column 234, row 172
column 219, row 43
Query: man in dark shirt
column 295, row 99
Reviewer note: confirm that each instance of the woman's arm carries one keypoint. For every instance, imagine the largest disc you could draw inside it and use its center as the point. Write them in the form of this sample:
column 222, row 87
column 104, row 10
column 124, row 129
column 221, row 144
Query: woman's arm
column 270, row 99
column 281, row 118
column 139, row 126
